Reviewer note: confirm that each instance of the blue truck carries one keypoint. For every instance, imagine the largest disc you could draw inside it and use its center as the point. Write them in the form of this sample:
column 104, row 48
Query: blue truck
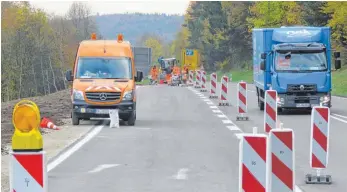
column 296, row 62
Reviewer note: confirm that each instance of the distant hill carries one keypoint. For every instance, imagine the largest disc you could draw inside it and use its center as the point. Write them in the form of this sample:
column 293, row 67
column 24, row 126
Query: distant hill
column 134, row 26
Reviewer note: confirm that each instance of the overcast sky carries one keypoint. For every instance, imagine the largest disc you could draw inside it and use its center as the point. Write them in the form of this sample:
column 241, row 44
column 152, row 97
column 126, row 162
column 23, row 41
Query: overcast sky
column 107, row 7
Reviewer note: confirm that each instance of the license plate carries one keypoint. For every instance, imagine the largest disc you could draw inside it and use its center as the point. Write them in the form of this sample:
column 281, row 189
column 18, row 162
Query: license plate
column 102, row 111
column 303, row 105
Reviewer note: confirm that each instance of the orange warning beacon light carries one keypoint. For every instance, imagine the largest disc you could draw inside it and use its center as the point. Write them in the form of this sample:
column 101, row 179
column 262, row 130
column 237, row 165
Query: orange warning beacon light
column 93, row 36
column 120, row 38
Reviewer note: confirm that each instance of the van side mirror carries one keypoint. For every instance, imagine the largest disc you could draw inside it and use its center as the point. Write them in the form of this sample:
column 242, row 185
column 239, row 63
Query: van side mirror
column 338, row 64
column 69, row 76
column 262, row 65
column 263, row 56
column 337, row 54
column 139, row 76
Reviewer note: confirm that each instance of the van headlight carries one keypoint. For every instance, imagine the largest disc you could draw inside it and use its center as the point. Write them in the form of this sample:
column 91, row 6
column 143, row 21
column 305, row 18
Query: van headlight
column 325, row 99
column 128, row 95
column 78, row 95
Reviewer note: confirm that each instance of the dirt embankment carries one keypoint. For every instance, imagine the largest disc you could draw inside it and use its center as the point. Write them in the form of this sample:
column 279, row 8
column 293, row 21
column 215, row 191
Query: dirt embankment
column 56, row 106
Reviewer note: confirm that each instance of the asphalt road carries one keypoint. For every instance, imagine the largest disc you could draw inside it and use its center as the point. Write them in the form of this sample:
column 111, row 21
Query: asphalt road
column 184, row 141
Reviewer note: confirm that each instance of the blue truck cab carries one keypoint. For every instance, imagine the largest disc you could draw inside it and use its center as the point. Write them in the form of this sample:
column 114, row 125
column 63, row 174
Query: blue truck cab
column 296, row 62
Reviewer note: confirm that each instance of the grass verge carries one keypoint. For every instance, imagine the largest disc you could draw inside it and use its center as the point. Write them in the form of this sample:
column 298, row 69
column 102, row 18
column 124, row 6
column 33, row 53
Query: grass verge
column 339, row 80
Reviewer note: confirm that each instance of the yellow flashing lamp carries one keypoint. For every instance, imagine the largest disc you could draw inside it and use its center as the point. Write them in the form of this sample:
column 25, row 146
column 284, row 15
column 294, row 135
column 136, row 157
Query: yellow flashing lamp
column 26, row 121
column 93, row 36
column 120, row 38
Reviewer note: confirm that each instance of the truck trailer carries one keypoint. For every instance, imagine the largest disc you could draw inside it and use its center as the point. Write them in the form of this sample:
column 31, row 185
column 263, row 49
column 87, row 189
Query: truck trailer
column 296, row 62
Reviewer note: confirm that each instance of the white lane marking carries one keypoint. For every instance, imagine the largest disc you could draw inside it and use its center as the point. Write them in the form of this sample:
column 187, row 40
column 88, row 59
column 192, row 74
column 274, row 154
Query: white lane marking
column 222, row 116
column 213, row 107
column 206, row 100
column 227, row 121
column 251, row 91
column 74, row 148
column 209, row 103
column 342, row 120
column 339, row 115
column 102, row 167
column 181, row 174
column 233, row 128
column 143, row 128
column 216, row 111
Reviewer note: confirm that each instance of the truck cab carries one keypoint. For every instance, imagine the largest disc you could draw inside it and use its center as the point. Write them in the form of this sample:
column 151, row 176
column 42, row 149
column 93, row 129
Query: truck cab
column 103, row 78
column 296, row 62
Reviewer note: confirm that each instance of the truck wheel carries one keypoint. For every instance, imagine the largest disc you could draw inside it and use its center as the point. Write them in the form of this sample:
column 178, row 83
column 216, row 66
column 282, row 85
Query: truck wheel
column 75, row 119
column 279, row 110
column 132, row 119
column 260, row 104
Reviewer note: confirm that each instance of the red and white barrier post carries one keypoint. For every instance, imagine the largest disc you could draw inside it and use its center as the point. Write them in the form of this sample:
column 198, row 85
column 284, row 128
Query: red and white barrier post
column 27, row 169
column 224, row 91
column 190, row 78
column 242, row 101
column 203, row 81
column 198, row 79
column 270, row 110
column 281, row 153
column 319, row 145
column 213, row 86
column 253, row 163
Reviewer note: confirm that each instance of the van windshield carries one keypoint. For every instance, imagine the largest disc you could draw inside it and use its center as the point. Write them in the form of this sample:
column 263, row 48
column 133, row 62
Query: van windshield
column 301, row 61
column 104, row 68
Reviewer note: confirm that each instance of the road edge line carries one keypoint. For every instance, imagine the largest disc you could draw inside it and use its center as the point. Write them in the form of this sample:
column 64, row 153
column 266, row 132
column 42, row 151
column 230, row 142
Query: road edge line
column 67, row 151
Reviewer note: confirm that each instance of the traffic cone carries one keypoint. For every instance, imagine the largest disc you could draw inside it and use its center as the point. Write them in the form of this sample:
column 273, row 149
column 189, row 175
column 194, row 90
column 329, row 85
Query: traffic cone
column 47, row 123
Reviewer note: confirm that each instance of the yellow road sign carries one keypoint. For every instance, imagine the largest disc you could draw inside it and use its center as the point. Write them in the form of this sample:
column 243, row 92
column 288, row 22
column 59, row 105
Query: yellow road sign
column 26, row 121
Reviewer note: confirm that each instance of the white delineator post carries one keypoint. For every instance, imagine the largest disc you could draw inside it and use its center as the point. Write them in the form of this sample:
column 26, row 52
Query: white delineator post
column 253, row 163
column 242, row 101
column 270, row 110
column 213, row 86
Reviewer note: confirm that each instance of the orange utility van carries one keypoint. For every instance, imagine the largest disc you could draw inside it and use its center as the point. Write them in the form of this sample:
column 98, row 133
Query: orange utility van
column 103, row 78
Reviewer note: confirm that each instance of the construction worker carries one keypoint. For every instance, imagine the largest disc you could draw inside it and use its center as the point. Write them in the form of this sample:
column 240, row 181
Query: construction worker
column 154, row 73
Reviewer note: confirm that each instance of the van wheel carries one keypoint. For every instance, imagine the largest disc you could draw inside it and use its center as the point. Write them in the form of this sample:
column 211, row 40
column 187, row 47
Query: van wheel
column 75, row 119
column 132, row 119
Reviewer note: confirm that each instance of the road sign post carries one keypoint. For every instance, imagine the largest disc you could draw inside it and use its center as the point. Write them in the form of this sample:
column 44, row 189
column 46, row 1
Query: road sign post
column 28, row 170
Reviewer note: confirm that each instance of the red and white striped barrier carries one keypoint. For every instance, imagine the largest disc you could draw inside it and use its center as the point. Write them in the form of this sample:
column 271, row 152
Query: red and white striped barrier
column 319, row 145
column 28, row 172
column 281, row 155
column 242, row 101
column 213, row 86
column 224, row 91
column 253, row 163
column 270, row 110
column 190, row 78
column 198, row 79
column 203, row 81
